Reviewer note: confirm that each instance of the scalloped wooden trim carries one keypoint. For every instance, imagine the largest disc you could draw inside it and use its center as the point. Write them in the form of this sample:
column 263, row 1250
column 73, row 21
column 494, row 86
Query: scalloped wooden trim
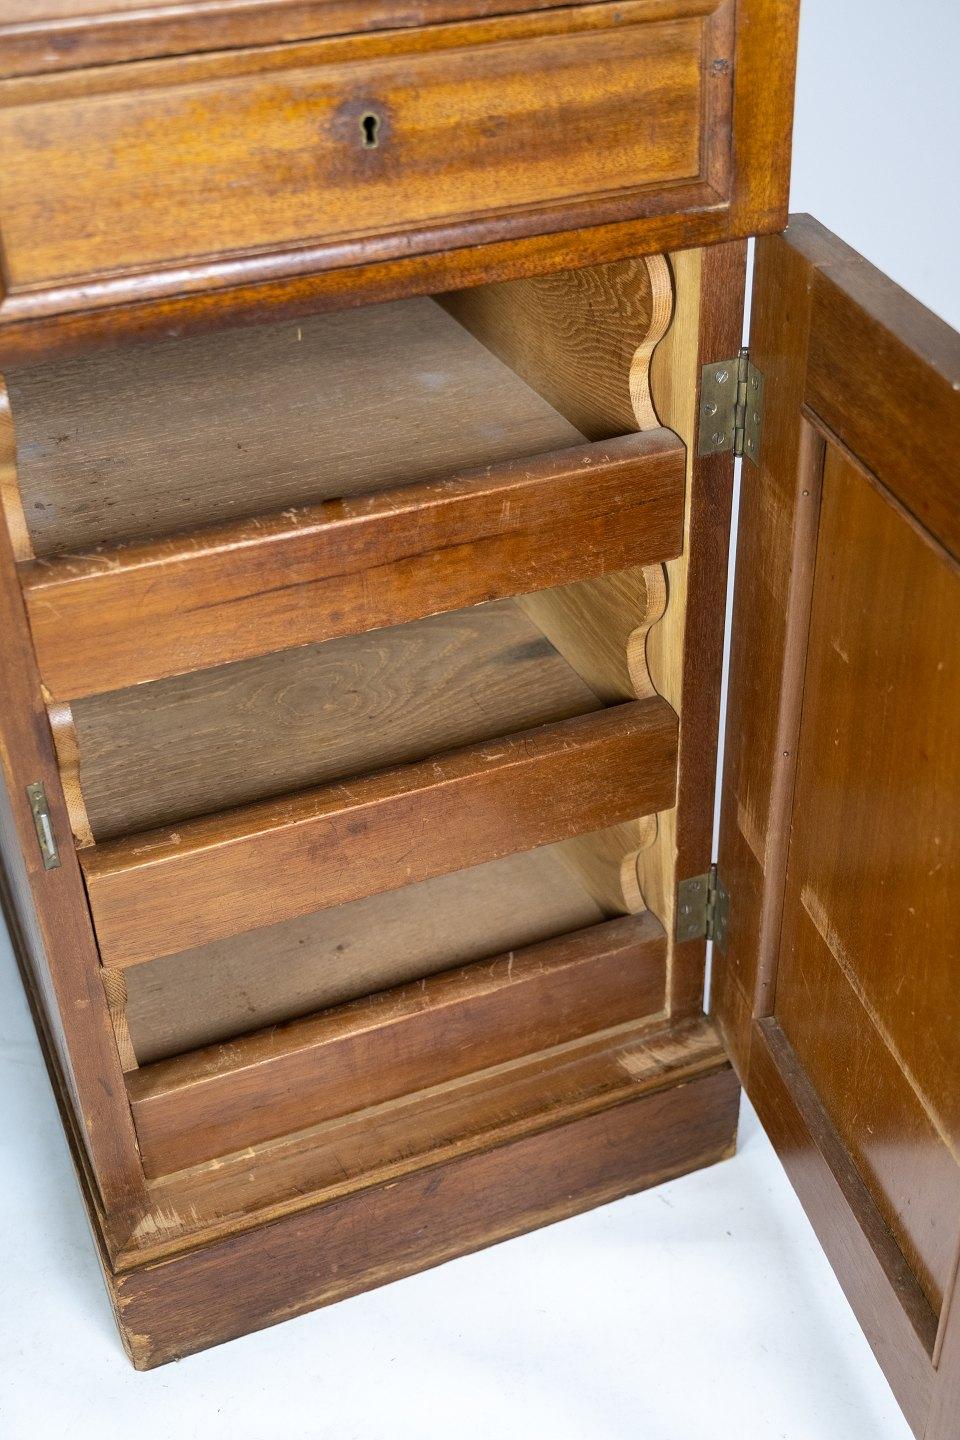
column 606, row 863
column 661, row 313
column 67, row 746
column 600, row 628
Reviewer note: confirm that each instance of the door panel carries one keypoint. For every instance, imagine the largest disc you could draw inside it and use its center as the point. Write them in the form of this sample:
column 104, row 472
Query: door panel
column 839, row 988
column 865, row 976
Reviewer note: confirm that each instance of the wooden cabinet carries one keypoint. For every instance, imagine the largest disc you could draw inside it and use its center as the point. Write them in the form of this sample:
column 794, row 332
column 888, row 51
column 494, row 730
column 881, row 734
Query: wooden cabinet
column 370, row 408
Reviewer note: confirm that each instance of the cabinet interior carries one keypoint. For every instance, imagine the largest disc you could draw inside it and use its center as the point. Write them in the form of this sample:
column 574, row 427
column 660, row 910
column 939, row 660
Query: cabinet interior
column 166, row 443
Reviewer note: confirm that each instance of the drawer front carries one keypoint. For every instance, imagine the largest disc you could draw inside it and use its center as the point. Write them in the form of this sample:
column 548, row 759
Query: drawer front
column 257, row 164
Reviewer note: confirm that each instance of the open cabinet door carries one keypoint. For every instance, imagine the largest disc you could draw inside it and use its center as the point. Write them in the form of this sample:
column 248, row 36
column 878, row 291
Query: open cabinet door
column 838, row 982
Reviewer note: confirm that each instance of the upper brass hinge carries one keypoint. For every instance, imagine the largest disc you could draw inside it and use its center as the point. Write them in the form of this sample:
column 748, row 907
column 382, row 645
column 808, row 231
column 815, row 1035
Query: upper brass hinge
column 731, row 408
column 46, row 839
column 703, row 909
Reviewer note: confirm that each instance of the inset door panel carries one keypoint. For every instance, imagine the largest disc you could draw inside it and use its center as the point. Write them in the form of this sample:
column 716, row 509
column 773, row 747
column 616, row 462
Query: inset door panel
column 867, row 928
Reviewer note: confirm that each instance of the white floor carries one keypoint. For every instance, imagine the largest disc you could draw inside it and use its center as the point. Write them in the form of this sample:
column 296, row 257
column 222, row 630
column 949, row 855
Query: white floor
column 700, row 1311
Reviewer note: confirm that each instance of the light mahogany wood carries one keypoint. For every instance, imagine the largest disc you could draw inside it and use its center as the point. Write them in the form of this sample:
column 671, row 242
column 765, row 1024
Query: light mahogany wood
column 876, row 1279
column 63, row 34
column 142, row 441
column 108, row 620
column 881, row 699
column 245, row 982
column 836, row 986
column 634, row 107
column 166, row 890
column 196, row 1107
column 164, row 752
column 641, row 105
column 732, row 69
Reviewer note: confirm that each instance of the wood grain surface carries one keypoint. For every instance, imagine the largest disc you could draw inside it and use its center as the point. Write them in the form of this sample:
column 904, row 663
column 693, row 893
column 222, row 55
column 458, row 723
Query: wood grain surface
column 878, row 771
column 289, row 118
column 49, row 923
column 246, row 982
column 41, row 35
column 545, row 1138
column 167, row 890
column 836, row 988
column 870, row 1266
column 582, row 338
column 109, row 620
column 155, row 153
column 231, row 1096
column 138, row 442
column 733, row 70
column 318, row 713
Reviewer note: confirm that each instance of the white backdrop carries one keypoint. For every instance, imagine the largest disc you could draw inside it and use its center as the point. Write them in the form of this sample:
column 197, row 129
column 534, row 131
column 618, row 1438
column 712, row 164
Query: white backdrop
column 700, row 1311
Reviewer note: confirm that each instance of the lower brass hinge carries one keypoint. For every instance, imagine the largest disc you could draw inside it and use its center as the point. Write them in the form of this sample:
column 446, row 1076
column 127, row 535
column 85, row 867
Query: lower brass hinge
column 703, row 909
column 731, row 408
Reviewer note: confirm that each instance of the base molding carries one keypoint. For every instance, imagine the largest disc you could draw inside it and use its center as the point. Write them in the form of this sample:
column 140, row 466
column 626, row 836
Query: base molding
column 262, row 1236
column 312, row 1257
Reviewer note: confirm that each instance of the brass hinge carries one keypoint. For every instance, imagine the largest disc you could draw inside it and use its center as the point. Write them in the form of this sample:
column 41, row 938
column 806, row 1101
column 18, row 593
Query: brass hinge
column 43, row 826
column 703, row 909
column 731, row 408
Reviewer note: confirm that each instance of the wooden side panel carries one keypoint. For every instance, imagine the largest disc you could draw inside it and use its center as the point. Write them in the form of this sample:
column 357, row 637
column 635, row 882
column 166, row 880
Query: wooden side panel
column 137, row 613
column 208, row 1103
column 167, row 890
column 839, row 838
column 50, row 923
column 582, row 338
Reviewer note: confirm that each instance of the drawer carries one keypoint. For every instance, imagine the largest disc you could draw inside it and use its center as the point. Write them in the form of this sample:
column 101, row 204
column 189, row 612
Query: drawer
column 254, row 174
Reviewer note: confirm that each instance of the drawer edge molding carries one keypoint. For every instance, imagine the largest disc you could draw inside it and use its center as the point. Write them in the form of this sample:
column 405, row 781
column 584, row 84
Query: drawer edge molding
column 141, row 612
column 170, row 890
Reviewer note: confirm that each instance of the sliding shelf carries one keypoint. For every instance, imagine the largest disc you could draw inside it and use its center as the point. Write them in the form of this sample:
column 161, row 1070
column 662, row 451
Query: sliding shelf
column 165, row 890
column 208, row 1103
column 136, row 613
